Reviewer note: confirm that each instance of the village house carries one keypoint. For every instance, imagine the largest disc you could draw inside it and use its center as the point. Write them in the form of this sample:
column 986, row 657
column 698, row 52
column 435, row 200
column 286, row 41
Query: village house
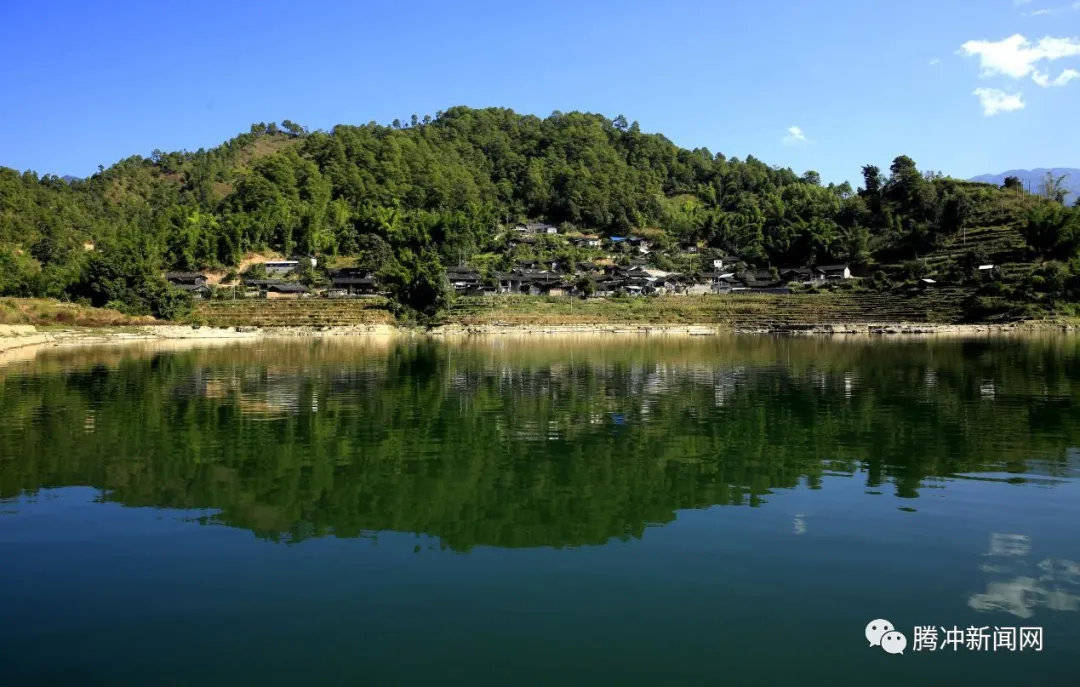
column 536, row 228
column 726, row 263
column 540, row 265
column 464, row 279
column 800, row 274
column 832, row 272
column 510, row 282
column 192, row 282
column 276, row 288
column 287, row 289
column 643, row 280
column 186, row 278
column 724, row 282
column 532, row 282
column 586, row 241
column 352, row 281
column 543, row 283
column 281, row 267
column 760, row 279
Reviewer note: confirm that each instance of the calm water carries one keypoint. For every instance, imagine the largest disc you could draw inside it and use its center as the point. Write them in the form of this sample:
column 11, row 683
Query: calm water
column 602, row 511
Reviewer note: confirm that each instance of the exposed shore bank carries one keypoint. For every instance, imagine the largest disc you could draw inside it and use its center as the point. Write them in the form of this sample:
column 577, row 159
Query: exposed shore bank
column 14, row 337
column 22, row 338
column 823, row 329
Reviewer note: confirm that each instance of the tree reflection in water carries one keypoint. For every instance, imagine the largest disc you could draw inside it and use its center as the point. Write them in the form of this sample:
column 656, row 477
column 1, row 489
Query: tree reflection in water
column 557, row 442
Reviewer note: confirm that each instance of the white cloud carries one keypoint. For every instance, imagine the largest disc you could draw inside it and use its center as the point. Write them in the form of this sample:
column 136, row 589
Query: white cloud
column 1016, row 56
column 795, row 136
column 1063, row 78
column 994, row 101
column 934, row 62
column 1051, row 11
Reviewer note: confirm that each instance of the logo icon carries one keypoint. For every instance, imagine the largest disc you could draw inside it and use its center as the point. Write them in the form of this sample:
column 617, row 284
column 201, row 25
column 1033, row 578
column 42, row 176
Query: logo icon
column 893, row 642
column 881, row 632
column 876, row 628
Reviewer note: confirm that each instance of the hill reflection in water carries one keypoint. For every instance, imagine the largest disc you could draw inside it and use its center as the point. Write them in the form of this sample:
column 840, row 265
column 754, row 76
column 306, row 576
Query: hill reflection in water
column 519, row 443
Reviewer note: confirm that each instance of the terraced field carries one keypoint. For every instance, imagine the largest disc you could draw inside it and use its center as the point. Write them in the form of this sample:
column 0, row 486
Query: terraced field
column 737, row 310
column 751, row 311
column 308, row 312
column 1004, row 247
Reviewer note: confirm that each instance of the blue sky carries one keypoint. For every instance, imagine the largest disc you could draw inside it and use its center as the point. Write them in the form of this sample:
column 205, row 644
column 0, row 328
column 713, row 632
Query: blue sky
column 862, row 80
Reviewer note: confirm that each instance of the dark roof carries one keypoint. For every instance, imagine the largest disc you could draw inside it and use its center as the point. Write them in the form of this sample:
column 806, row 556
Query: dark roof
column 462, row 274
column 287, row 287
column 759, row 279
column 349, row 272
column 360, row 281
column 535, row 227
column 184, row 276
column 525, row 275
column 832, row 268
column 276, row 285
column 793, row 273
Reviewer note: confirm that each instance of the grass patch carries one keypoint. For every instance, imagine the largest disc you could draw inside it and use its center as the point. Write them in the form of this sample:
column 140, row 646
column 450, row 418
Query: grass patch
column 306, row 312
column 45, row 312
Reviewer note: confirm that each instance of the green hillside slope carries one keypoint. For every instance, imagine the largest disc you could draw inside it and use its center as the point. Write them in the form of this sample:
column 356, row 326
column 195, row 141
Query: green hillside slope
column 408, row 200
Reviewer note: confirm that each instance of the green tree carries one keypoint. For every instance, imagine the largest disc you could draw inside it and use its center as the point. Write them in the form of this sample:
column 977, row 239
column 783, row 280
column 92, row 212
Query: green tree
column 1053, row 187
column 1052, row 230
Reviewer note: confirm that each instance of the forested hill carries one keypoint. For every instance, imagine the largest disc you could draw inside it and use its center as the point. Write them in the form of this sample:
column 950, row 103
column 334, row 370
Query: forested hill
column 410, row 198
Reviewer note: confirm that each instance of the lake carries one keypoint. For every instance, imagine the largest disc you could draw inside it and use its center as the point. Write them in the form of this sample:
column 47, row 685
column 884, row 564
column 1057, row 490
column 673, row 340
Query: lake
column 620, row 510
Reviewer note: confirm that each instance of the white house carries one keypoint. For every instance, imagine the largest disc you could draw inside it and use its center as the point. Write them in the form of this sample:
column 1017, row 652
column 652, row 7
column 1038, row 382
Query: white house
column 280, row 266
column 834, row 271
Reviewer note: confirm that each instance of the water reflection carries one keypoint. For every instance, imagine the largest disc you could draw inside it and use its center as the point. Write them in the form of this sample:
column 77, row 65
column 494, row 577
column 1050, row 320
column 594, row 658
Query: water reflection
column 1018, row 586
column 554, row 443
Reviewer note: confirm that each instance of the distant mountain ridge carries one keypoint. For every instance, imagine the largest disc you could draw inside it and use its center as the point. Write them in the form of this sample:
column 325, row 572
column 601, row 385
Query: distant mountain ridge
column 1031, row 178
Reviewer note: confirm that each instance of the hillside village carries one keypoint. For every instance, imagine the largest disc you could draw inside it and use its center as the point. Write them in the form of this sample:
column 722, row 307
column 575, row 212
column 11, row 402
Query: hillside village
column 614, row 266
